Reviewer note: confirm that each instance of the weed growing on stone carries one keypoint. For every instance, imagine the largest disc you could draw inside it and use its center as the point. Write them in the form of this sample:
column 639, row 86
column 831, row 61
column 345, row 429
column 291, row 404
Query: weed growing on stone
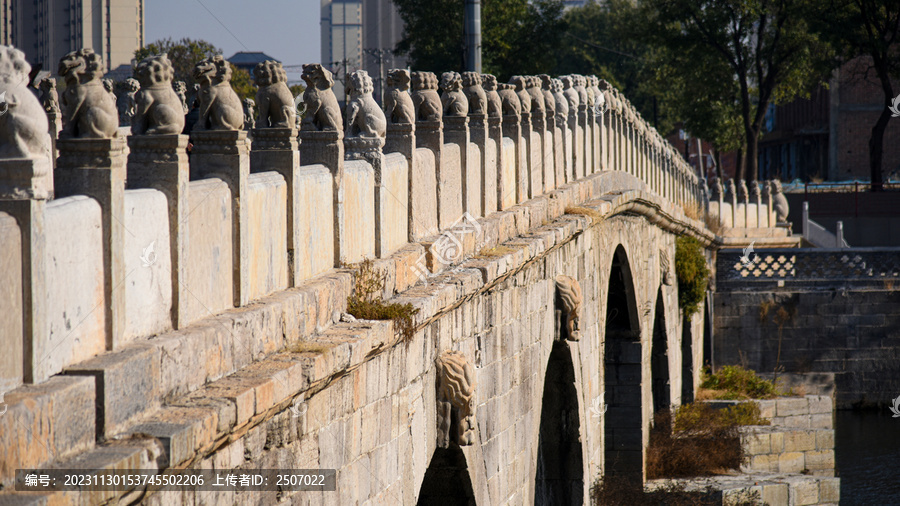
column 692, row 274
column 495, row 252
column 733, row 382
column 621, row 491
column 700, row 416
column 365, row 302
column 585, row 211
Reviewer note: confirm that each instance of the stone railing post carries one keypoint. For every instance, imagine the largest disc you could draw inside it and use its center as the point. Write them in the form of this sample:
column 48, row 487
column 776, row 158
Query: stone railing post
column 96, row 168
column 455, row 195
column 401, row 138
column 486, row 174
column 495, row 132
column 26, row 184
column 226, row 153
column 539, row 176
column 277, row 149
column 161, row 162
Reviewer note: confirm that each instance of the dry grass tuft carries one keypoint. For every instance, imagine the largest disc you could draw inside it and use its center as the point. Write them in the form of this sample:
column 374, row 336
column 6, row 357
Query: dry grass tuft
column 594, row 215
column 366, row 303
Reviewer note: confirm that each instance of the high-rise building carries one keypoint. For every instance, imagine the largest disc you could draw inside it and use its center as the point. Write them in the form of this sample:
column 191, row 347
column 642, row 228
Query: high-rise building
column 48, row 29
column 360, row 34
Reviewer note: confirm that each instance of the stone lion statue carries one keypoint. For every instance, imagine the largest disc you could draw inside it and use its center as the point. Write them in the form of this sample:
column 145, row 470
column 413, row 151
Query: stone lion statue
column 274, row 99
column 425, row 96
column 509, row 100
column 126, row 103
column 220, row 106
column 322, row 111
column 23, row 124
column 89, row 110
column 562, row 103
column 158, row 109
column 471, row 82
column 453, row 100
column 494, row 104
column 49, row 95
column 570, row 92
column 248, row 105
column 519, row 82
column 533, row 87
column 456, row 399
column 779, row 201
column 398, row 103
column 546, row 84
column 364, row 117
column 181, row 90
column 578, row 83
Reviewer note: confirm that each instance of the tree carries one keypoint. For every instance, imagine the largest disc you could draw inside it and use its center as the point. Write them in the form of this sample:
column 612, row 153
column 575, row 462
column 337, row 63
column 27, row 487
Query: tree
column 868, row 29
column 185, row 53
column 518, row 36
column 770, row 54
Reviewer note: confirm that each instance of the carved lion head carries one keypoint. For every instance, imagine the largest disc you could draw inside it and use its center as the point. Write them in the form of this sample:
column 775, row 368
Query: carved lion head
column 212, row 70
column 519, row 82
column 398, row 78
column 489, row 82
column 360, row 83
column 155, row 70
column 13, row 67
column 471, row 79
column 317, row 76
column 269, row 72
column 83, row 65
column 451, row 81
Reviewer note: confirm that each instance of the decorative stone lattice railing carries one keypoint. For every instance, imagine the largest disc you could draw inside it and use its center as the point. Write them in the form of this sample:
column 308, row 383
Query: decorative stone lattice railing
column 93, row 263
column 809, row 266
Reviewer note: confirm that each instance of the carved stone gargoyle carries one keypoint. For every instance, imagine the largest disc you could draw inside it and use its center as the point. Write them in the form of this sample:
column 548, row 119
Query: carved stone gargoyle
column 569, row 301
column 455, row 400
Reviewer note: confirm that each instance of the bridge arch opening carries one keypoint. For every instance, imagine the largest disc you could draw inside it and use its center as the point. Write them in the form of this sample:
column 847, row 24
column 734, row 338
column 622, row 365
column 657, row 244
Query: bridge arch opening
column 559, row 478
column 447, row 481
column 659, row 358
column 623, row 434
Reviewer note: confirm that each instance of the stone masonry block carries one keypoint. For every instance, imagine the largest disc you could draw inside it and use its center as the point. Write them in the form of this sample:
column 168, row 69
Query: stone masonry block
column 791, row 462
column 824, row 439
column 58, row 414
column 806, row 492
column 127, row 386
column 799, row 441
column 819, row 460
column 830, row 490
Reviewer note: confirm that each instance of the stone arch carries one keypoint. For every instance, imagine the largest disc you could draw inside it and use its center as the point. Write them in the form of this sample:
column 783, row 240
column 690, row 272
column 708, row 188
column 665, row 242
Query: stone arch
column 447, row 481
column 659, row 358
column 559, row 475
column 622, row 354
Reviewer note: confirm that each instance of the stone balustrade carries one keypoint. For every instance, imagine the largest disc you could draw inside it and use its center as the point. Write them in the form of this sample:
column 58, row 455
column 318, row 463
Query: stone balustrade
column 155, row 233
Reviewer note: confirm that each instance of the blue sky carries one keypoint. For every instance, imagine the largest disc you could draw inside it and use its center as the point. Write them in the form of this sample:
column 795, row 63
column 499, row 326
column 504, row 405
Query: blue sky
column 287, row 30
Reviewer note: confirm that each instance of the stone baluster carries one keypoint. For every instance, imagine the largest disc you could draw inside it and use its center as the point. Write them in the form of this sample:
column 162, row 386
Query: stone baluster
column 512, row 128
column 429, row 131
column 276, row 148
column 401, row 138
column 539, row 176
column 455, row 198
column 364, row 139
column 563, row 162
column 221, row 149
column 26, row 184
column 504, row 197
column 321, row 137
column 598, row 122
column 577, row 156
column 485, row 175
column 158, row 158
column 92, row 162
column 551, row 142
column 528, row 181
column 583, row 133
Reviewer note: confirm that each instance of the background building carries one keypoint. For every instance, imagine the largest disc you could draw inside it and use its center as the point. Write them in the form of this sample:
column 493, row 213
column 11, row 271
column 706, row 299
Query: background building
column 48, row 29
column 360, row 34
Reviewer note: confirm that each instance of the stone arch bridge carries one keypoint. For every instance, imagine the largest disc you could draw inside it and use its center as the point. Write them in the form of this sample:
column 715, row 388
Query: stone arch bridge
column 193, row 317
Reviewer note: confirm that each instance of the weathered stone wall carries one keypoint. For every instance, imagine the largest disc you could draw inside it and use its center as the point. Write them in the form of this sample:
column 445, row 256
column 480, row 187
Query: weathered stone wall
column 210, row 253
column 11, row 361
column 854, row 333
column 813, row 311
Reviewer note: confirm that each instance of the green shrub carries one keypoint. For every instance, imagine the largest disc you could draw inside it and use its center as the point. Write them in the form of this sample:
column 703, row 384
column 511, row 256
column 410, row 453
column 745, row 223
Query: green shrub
column 735, row 382
column 365, row 302
column 701, row 417
column 692, row 274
